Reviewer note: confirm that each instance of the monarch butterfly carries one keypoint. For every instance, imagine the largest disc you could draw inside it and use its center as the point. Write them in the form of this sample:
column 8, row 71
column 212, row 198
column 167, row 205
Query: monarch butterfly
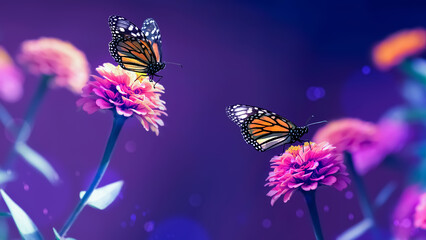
column 264, row 129
column 137, row 50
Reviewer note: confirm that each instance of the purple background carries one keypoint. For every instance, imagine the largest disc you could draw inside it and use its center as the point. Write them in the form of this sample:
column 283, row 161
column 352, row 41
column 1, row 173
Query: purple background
column 198, row 179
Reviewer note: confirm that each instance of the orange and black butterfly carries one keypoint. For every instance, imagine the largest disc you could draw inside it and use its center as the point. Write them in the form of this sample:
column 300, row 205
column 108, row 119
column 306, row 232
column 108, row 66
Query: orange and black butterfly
column 137, row 50
column 264, row 129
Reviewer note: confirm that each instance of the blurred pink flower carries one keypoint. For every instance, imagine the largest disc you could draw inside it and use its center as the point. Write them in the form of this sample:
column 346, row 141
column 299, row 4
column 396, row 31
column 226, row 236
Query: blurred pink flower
column 403, row 222
column 398, row 46
column 119, row 91
column 367, row 142
column 11, row 78
column 420, row 214
column 51, row 56
column 393, row 134
column 306, row 168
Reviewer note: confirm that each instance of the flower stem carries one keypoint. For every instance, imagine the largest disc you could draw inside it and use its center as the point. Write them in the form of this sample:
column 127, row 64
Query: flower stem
column 5, row 117
column 25, row 129
column 116, row 128
column 365, row 203
column 407, row 68
column 310, row 201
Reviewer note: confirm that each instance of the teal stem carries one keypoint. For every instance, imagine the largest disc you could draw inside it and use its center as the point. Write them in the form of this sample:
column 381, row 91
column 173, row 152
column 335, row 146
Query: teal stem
column 116, row 128
column 312, row 206
column 366, row 206
column 25, row 129
column 5, row 117
column 407, row 68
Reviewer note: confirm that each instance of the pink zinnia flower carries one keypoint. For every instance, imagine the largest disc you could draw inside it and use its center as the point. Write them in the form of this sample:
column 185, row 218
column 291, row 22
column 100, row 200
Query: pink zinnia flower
column 11, row 78
column 403, row 216
column 367, row 142
column 306, row 168
column 120, row 91
column 51, row 56
column 420, row 214
column 397, row 47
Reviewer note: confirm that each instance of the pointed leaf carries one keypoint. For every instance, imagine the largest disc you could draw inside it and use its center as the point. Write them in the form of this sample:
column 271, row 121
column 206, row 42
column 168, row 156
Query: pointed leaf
column 38, row 162
column 58, row 237
column 385, row 194
column 357, row 230
column 6, row 176
column 25, row 225
column 104, row 196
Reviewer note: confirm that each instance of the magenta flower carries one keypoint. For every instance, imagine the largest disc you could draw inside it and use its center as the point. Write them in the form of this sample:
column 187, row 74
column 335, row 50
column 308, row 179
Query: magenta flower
column 403, row 216
column 51, row 56
column 119, row 91
column 11, row 78
column 367, row 142
column 306, row 168
column 420, row 214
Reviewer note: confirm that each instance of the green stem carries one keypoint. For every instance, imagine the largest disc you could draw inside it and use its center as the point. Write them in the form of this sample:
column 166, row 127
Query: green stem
column 116, row 128
column 310, row 201
column 25, row 129
column 365, row 203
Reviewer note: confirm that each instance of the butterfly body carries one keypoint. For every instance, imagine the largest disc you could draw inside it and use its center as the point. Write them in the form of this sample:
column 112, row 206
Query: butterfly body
column 264, row 129
column 137, row 50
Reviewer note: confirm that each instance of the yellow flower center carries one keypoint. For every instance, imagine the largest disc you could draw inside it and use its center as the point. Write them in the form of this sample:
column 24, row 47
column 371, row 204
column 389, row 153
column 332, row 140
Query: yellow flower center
column 294, row 150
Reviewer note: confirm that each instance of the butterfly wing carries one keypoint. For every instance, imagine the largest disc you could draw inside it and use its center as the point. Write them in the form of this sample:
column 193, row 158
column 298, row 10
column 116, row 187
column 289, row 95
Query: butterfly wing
column 129, row 46
column 260, row 128
column 151, row 31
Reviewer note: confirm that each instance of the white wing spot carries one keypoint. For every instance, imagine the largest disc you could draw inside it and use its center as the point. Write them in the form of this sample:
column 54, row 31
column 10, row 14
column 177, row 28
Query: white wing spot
column 131, row 27
column 122, row 29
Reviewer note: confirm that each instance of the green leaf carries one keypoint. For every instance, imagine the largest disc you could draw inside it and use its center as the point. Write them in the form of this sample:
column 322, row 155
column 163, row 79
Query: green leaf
column 26, row 227
column 58, row 237
column 38, row 162
column 104, row 196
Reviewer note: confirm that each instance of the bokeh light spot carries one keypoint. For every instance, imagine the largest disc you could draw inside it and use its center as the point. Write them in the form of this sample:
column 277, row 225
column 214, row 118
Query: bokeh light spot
column 366, row 70
column 300, row 213
column 179, row 228
column 266, row 223
column 315, row 93
column 149, row 226
column 349, row 195
column 326, row 208
column 130, row 146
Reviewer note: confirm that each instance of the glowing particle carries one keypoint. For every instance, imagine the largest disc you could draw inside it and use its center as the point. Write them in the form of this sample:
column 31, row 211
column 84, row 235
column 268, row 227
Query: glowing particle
column 266, row 223
column 349, row 195
column 149, row 226
column 300, row 213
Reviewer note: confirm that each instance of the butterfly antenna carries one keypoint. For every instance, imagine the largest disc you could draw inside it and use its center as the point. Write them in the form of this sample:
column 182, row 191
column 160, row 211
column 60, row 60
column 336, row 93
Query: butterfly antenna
column 309, row 119
column 175, row 64
column 324, row 121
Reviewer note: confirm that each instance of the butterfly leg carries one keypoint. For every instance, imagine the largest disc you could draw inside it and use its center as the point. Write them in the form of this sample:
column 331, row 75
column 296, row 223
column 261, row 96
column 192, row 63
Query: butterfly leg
column 306, row 141
column 138, row 77
column 160, row 77
column 284, row 148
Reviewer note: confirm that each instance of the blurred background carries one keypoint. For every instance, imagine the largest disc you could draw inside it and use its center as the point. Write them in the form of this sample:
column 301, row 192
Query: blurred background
column 198, row 179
